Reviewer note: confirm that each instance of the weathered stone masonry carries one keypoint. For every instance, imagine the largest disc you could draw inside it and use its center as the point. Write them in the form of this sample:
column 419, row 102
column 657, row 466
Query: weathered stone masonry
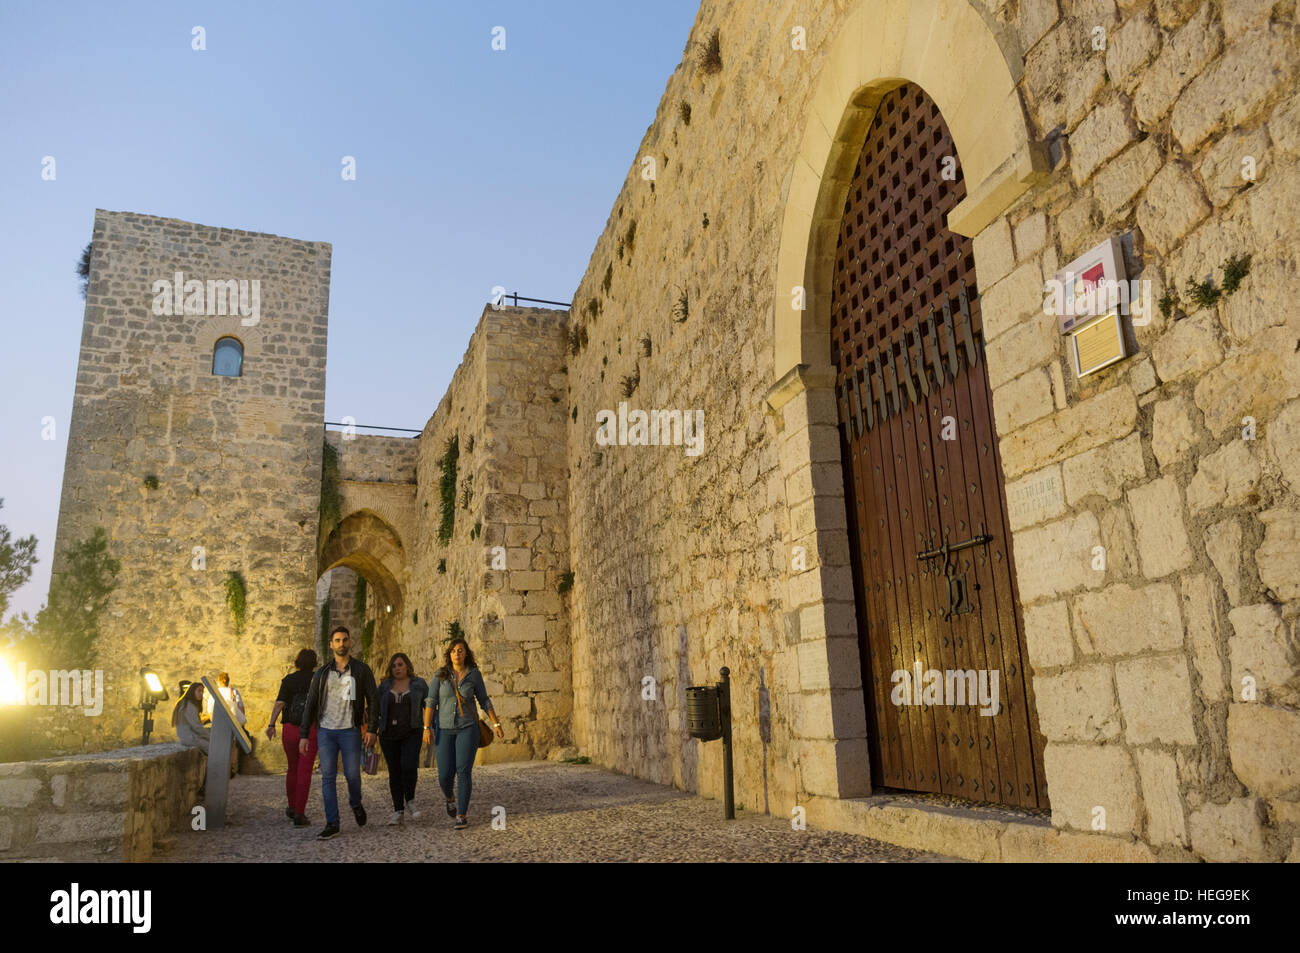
column 236, row 459
column 1180, row 462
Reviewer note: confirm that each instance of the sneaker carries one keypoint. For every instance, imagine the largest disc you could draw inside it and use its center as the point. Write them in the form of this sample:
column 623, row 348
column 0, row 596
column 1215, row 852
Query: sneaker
column 300, row 820
column 395, row 819
column 451, row 808
column 359, row 813
column 461, row 823
column 331, row 830
column 410, row 809
column 289, row 812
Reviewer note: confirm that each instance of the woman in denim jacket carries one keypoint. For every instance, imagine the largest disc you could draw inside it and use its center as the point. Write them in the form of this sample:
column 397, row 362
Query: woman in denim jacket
column 456, row 687
column 401, row 702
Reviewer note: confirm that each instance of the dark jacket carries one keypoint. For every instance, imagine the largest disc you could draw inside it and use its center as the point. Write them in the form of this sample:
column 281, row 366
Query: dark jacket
column 364, row 710
column 418, row 692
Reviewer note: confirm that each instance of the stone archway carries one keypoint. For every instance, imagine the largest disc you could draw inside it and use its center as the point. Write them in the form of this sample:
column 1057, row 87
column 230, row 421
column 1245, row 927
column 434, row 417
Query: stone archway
column 368, row 545
column 946, row 48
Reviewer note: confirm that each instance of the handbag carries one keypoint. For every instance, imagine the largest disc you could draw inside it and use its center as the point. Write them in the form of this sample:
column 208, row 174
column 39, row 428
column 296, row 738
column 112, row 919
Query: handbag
column 370, row 761
column 485, row 735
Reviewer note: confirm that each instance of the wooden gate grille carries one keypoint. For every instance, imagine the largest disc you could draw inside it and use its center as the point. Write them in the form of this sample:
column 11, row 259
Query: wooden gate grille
column 908, row 346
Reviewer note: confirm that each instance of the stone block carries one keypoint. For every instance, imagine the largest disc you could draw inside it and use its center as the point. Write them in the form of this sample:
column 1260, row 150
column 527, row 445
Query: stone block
column 1184, row 56
column 19, row 792
column 525, row 628
column 1077, row 705
column 1221, row 168
column 1226, row 477
column 1264, row 746
column 1084, row 777
column 1102, row 133
column 1031, row 235
column 1278, row 557
column 1013, row 299
column 1173, row 433
column 1035, row 497
column 1121, row 620
column 1284, row 444
column 1089, row 423
column 1223, row 544
column 1263, row 299
column 512, row 706
column 554, row 706
column 1156, row 695
column 1057, row 557
column 542, row 681
column 1272, row 368
column 1104, row 470
column 1284, row 126
column 1172, row 206
column 1274, row 207
column 1047, row 635
column 101, row 788
column 1201, row 612
column 1130, row 48
column 1119, row 180
column 73, row 828
column 1162, row 542
column 1117, row 539
column 994, row 257
column 523, row 581
column 1166, row 822
column 1027, row 345
column 1228, row 833
column 1234, row 88
column 1261, row 648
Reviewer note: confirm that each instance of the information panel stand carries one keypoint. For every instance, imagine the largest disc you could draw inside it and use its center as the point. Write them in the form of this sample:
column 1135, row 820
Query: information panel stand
column 224, row 729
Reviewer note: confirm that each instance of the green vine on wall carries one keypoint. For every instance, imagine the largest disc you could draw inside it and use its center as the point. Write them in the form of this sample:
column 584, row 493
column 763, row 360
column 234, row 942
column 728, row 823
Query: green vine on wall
column 447, row 489
column 67, row 626
column 359, row 599
column 454, row 631
column 331, row 501
column 236, row 599
column 367, row 637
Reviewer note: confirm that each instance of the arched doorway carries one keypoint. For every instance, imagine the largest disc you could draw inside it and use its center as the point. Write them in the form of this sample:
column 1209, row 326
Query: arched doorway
column 367, row 545
column 944, row 671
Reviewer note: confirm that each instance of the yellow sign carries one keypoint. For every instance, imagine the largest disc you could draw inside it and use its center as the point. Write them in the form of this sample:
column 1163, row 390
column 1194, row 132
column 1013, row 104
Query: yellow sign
column 1098, row 344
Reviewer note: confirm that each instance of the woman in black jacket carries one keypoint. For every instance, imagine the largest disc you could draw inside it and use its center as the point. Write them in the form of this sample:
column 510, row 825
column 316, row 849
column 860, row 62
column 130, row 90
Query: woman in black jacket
column 401, row 702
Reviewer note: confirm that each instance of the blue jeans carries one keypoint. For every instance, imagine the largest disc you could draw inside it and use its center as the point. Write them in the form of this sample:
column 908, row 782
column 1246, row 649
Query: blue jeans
column 329, row 742
column 456, row 750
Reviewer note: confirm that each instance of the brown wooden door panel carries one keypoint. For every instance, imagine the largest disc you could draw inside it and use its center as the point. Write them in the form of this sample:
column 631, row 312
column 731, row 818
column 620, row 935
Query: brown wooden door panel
column 907, row 341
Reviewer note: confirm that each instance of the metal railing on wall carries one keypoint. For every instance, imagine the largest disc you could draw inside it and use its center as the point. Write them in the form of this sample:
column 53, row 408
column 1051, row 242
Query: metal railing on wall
column 515, row 298
column 331, row 423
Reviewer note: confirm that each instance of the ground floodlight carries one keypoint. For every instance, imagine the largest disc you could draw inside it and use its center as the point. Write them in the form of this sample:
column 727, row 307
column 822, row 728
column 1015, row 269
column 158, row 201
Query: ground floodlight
column 152, row 691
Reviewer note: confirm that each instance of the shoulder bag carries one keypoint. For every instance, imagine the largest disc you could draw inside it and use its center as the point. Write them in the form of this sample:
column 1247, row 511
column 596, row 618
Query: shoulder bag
column 485, row 735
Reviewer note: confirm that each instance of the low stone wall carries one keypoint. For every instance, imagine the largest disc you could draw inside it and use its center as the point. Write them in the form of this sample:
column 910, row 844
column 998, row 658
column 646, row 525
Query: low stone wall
column 118, row 805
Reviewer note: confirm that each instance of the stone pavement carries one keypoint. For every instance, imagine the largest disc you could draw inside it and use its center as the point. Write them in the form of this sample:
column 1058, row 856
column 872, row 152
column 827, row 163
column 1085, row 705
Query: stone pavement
column 554, row 812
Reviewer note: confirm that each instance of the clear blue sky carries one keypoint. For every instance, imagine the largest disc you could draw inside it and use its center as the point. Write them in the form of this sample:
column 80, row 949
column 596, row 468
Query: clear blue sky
column 475, row 168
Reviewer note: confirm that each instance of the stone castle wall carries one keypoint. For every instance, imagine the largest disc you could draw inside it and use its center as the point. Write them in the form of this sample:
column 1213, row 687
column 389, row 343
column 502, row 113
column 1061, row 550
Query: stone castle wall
column 682, row 564
column 505, row 406
column 236, row 461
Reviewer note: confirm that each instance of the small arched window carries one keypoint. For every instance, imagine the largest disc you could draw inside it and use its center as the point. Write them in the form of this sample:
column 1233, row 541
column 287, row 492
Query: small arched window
column 228, row 358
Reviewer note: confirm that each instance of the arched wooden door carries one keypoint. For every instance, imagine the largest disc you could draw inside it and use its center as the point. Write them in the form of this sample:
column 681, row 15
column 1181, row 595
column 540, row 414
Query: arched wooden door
column 934, row 580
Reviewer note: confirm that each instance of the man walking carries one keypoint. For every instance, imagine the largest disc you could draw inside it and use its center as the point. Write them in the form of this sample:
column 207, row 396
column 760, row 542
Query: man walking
column 342, row 700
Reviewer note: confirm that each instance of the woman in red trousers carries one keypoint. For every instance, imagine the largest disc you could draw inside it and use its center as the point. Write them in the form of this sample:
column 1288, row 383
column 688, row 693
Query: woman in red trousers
column 292, row 700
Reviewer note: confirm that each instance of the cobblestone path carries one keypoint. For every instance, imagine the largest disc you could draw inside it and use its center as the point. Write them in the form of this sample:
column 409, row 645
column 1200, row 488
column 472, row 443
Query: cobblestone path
column 554, row 812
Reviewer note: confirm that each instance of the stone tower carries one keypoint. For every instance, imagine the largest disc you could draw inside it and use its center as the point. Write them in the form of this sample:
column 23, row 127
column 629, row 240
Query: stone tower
column 195, row 441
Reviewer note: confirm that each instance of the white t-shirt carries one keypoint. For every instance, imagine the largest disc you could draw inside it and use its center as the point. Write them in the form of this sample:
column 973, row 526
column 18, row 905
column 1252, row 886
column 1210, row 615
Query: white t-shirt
column 340, row 690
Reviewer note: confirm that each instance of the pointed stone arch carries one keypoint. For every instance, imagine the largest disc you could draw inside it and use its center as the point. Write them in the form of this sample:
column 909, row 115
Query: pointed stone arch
column 367, row 544
column 946, row 48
